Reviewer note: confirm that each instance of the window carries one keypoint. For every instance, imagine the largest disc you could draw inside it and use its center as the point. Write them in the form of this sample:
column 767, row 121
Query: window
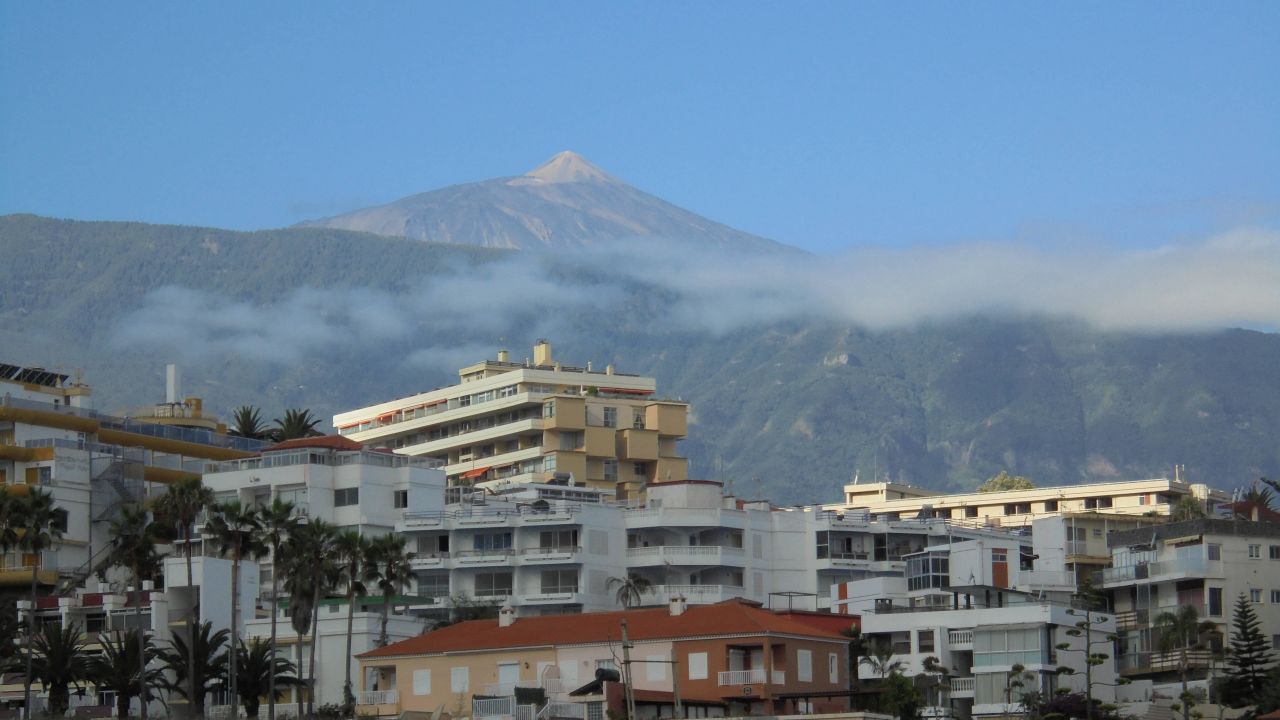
column 1275, row 642
column 572, row 440
column 1007, row 647
column 924, row 641
column 507, row 391
column 60, row 519
column 492, row 541
column 1274, row 551
column 433, row 586
column 401, row 499
column 558, row 539
column 344, row 497
column 595, row 710
column 421, row 682
column 459, row 680
column 735, row 539
column 559, row 581
column 549, row 409
column 1255, row 595
column 641, row 470
column 1255, row 552
column 697, row 666
column 611, row 470
column 1213, row 551
column 1275, row 597
column 611, row 417
column 607, row 664
column 496, row 584
column 1051, row 506
column 637, row 419
column 804, row 665
column 1215, row 601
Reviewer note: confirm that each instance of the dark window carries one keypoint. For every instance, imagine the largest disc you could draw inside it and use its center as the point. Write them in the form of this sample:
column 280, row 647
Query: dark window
column 1051, row 506
column 924, row 639
column 346, row 496
column 401, row 499
column 1215, row 602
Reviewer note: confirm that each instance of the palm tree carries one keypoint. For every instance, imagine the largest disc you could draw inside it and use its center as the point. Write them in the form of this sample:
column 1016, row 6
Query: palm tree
column 297, row 423
column 879, row 658
column 259, row 672
column 34, row 520
column 310, row 574
column 246, row 421
column 352, row 547
column 210, row 665
column 182, row 506
column 388, row 562
column 134, row 547
column 1187, row 508
column 1181, row 630
column 117, row 669
column 630, row 589
column 237, row 530
column 278, row 523
column 60, row 662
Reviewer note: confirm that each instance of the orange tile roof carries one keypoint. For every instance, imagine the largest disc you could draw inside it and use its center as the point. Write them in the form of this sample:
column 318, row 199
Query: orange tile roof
column 732, row 617
column 328, row 442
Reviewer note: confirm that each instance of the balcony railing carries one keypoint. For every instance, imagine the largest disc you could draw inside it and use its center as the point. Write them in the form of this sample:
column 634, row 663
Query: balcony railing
column 960, row 637
column 378, row 697
column 493, row 707
column 961, row 685
column 742, row 677
column 1182, row 567
column 684, row 554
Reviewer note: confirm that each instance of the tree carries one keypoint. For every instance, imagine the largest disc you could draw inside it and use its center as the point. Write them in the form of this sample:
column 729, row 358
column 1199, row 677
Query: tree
column 1181, row 631
column 237, row 531
column 879, row 658
column 210, row 665
column 352, row 548
column 246, row 422
column 35, row 526
column 260, row 672
column 1248, row 655
column 1187, row 508
column 899, row 696
column 1092, row 658
column 133, row 538
column 934, row 678
column 1004, row 481
column 60, row 662
column 116, row 668
column 181, row 506
column 297, row 423
column 857, row 647
column 278, row 523
column 630, row 589
column 388, row 562
column 309, row 574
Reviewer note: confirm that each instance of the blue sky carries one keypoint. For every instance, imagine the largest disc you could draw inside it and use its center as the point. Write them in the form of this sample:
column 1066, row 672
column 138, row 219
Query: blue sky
column 824, row 125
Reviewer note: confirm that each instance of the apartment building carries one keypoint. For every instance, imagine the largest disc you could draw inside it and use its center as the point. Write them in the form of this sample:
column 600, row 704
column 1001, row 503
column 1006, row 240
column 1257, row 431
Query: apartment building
column 1019, row 508
column 508, row 423
column 92, row 463
column 978, row 608
column 1205, row 564
column 731, row 658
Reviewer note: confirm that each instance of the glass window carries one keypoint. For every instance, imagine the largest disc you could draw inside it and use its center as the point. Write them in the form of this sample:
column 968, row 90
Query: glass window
column 1213, row 551
column 559, row 581
column 804, row 665
column 611, row 417
column 1274, row 552
column 344, row 497
column 924, row 641
column 611, row 470
column 1255, row 552
column 493, row 584
column 1215, row 601
column 401, row 499
column 1275, row 597
column 833, row 668
column 549, row 409
column 1255, row 595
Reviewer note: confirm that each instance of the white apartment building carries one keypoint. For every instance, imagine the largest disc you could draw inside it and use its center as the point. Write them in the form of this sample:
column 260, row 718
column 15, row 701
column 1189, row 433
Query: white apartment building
column 1205, row 564
column 507, row 424
column 980, row 607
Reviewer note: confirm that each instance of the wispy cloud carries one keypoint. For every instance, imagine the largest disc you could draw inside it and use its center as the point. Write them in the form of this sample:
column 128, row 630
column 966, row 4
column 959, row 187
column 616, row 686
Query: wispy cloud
column 1228, row 280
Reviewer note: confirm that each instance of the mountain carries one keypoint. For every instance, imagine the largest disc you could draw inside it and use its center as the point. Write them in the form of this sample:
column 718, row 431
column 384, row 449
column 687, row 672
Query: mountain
column 564, row 203
column 332, row 320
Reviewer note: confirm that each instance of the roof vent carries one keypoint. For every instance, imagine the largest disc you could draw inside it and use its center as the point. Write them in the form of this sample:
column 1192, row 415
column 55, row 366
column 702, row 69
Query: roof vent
column 677, row 605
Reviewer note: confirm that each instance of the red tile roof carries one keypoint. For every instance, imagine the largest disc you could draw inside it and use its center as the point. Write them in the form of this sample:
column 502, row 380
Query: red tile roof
column 328, row 442
column 825, row 621
column 733, row 617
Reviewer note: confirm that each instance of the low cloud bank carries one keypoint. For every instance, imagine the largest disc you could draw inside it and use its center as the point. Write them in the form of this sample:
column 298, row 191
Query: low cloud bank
column 1231, row 280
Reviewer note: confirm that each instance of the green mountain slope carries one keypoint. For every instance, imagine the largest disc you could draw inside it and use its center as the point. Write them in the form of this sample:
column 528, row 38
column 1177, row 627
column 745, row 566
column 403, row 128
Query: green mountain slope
column 790, row 410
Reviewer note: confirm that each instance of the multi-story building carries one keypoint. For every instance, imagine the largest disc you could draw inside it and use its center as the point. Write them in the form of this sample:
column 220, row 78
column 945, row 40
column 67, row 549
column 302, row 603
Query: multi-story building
column 732, row 658
column 977, row 609
column 1018, row 508
column 1205, row 564
column 508, row 423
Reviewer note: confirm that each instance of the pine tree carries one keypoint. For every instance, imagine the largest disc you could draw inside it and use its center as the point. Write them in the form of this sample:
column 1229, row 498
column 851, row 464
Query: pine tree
column 1249, row 655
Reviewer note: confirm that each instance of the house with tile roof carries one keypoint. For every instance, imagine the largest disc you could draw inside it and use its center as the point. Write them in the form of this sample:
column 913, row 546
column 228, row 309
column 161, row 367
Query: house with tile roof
column 730, row 658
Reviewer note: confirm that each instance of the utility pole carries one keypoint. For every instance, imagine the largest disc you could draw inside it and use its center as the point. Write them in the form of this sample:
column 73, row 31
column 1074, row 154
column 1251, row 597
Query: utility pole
column 626, row 673
column 675, row 684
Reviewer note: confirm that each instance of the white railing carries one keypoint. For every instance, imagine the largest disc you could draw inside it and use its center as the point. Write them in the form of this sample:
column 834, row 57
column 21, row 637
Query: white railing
column 563, row 711
column 526, row 712
column 493, row 707
column 500, row 689
column 962, row 685
column 960, row 637
column 685, row 553
column 742, row 677
column 378, row 697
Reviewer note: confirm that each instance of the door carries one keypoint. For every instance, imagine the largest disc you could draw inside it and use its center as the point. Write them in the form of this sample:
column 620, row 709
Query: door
column 1000, row 567
column 508, row 675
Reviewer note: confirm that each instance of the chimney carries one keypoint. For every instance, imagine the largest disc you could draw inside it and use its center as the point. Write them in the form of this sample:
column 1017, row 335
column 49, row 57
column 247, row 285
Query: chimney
column 542, row 352
column 504, row 356
column 172, row 383
column 608, row 369
column 506, row 616
column 677, row 605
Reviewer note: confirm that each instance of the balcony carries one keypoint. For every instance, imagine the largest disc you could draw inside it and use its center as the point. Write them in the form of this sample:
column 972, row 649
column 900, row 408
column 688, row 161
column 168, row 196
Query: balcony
column 697, row 594
column 429, row 561
column 684, row 518
column 962, row 687
column 684, row 555
column 1140, row 663
column 549, row 555
column 378, row 697
column 1163, row 570
column 553, row 596
column 1133, row 619
column 742, row 677
column 960, row 639
column 494, row 556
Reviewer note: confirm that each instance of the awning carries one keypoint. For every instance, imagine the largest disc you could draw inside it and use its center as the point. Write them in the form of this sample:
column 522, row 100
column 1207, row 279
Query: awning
column 472, row 474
